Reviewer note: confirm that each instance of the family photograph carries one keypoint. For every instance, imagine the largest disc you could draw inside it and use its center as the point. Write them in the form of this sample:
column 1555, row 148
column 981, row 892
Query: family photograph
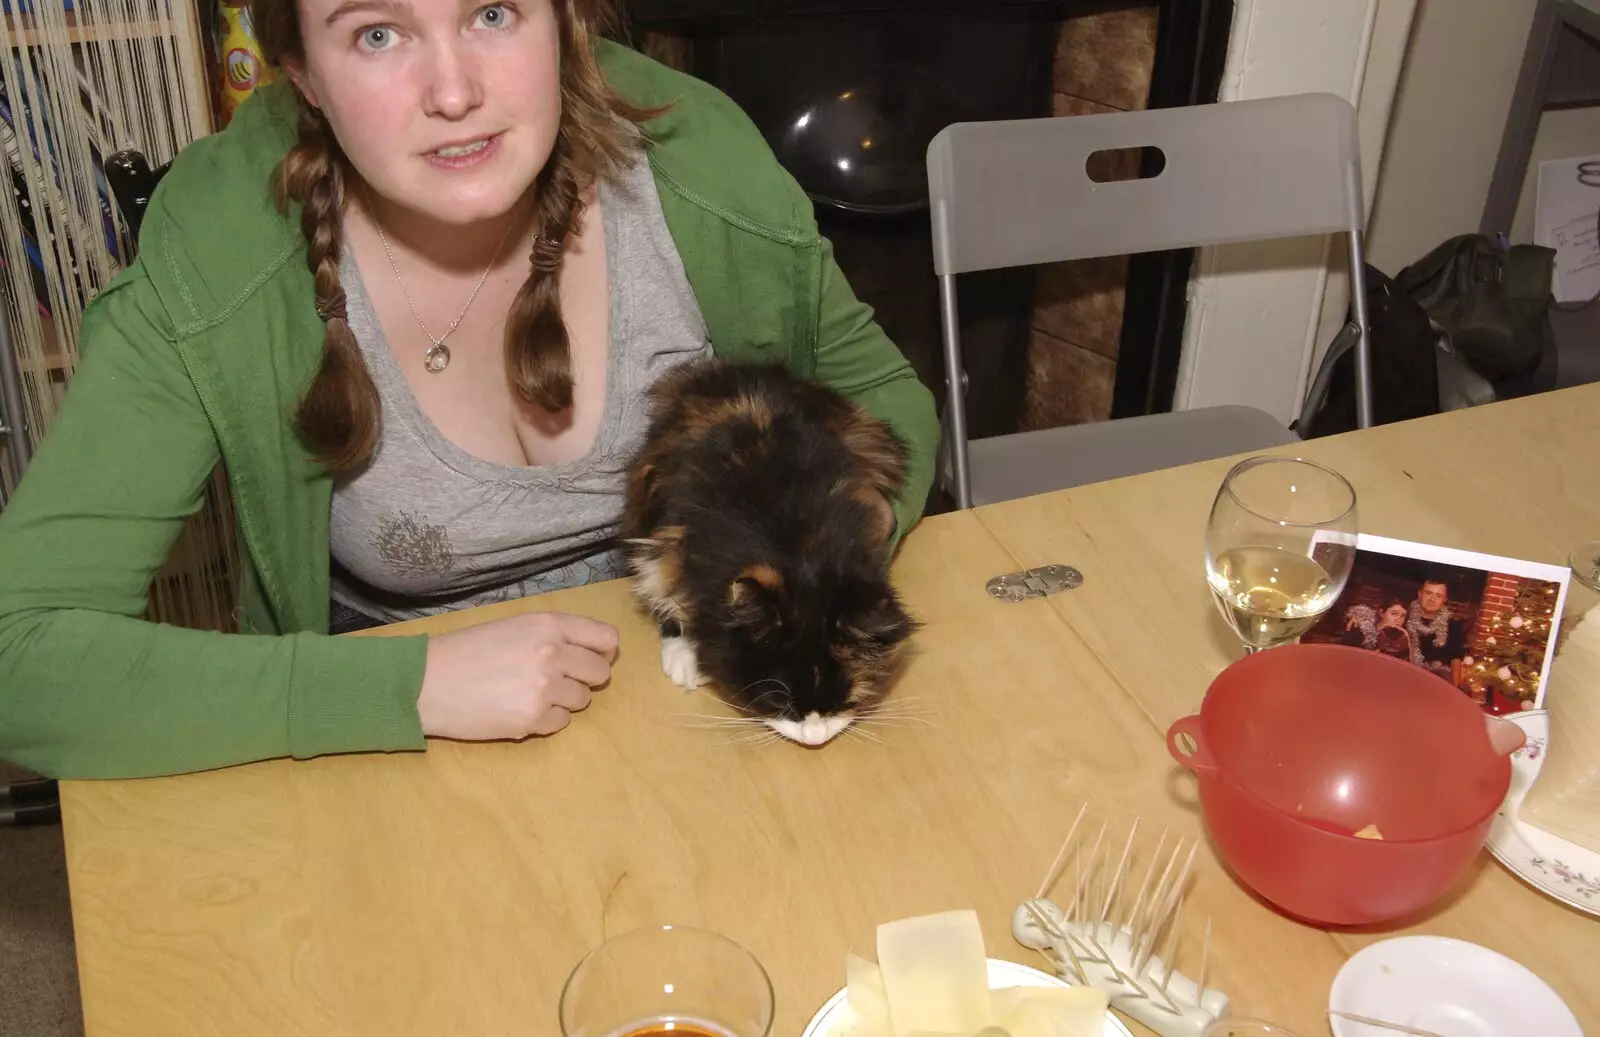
column 1484, row 624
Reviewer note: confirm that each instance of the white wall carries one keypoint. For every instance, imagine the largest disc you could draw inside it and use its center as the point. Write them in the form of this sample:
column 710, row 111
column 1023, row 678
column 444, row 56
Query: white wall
column 1380, row 86
column 1434, row 79
column 1255, row 313
column 1449, row 117
column 1566, row 133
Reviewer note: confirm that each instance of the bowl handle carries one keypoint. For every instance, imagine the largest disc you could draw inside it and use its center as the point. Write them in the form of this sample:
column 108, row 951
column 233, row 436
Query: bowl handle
column 1188, row 748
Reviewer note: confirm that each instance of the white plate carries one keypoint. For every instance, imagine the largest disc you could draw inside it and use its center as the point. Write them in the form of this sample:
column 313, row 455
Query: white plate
column 1450, row 987
column 832, row 1015
column 1565, row 871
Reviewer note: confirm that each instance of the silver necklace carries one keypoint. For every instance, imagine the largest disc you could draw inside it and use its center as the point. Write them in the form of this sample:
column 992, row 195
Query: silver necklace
column 437, row 358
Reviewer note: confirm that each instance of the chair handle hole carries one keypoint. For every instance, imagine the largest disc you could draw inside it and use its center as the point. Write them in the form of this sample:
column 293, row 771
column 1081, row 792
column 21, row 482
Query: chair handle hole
column 1114, row 164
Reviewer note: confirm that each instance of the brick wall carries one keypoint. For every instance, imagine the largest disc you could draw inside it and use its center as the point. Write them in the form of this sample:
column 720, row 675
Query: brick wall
column 1498, row 598
column 1103, row 63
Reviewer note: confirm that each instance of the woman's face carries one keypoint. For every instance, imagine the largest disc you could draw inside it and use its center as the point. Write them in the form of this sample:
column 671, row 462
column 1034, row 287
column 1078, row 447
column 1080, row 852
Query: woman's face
column 447, row 107
column 1394, row 616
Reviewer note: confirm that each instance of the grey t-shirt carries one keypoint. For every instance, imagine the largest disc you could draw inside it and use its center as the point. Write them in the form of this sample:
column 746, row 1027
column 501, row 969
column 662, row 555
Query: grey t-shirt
column 426, row 527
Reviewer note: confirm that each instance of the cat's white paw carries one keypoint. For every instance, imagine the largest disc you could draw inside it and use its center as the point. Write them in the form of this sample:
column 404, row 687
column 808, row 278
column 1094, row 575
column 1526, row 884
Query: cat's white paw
column 679, row 663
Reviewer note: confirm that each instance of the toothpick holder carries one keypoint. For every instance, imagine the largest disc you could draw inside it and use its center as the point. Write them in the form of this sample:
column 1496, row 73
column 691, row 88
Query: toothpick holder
column 1166, row 1001
column 1100, row 941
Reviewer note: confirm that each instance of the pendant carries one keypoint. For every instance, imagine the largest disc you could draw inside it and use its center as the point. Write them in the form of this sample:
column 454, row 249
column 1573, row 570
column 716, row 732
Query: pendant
column 437, row 358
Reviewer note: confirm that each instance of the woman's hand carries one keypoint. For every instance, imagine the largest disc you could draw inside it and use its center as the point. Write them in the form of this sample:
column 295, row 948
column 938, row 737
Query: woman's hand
column 515, row 677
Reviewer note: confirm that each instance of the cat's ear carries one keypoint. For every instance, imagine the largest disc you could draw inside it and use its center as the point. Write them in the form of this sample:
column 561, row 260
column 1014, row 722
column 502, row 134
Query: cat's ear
column 754, row 600
column 643, row 481
column 657, row 565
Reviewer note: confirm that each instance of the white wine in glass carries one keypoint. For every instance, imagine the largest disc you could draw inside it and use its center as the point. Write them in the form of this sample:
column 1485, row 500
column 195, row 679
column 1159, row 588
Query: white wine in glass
column 1279, row 547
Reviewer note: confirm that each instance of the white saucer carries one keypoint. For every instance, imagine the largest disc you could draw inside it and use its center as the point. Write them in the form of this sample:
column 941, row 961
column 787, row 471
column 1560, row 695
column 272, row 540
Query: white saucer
column 1449, row 987
column 1565, row 871
column 832, row 1016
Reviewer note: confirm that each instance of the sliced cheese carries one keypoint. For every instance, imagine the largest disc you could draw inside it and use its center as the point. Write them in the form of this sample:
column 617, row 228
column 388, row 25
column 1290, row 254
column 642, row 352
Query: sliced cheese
column 936, row 974
column 1051, row 1011
column 932, row 980
column 869, row 1007
column 1565, row 799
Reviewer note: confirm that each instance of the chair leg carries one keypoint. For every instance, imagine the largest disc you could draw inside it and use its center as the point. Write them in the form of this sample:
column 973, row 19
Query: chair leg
column 955, row 381
column 1358, row 294
column 35, row 802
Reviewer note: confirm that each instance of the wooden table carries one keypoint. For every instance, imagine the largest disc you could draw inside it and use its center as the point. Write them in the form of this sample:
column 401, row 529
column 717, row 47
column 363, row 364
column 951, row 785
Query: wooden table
column 452, row 891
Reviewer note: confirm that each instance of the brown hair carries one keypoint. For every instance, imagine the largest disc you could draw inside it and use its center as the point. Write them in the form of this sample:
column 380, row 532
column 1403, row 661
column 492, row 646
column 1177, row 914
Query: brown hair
column 338, row 418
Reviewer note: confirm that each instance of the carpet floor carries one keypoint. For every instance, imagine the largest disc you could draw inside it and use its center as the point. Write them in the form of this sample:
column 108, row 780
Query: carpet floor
column 38, row 967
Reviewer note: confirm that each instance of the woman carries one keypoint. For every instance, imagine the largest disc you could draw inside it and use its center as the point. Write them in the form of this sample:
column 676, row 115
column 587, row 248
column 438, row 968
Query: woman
column 1383, row 631
column 422, row 373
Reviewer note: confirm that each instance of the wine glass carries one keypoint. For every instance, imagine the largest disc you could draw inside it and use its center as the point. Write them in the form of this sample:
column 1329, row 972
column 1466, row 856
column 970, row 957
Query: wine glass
column 667, row 981
column 1585, row 563
column 1279, row 546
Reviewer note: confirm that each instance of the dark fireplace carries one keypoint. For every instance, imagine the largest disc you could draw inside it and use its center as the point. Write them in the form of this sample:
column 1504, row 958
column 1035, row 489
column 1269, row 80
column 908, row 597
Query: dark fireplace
column 850, row 93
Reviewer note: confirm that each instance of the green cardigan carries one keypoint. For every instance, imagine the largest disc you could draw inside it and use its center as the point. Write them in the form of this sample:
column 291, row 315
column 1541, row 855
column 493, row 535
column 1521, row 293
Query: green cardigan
column 197, row 354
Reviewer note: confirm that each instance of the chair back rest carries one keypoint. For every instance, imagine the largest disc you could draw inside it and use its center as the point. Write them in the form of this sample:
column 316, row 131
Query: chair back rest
column 1018, row 192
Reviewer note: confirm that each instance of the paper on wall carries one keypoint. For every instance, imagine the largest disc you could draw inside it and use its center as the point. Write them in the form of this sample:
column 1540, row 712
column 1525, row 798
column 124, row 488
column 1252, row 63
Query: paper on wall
column 1567, row 219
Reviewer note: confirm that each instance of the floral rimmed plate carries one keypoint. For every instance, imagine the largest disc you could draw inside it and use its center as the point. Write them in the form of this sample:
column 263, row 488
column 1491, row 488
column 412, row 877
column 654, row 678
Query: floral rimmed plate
column 1564, row 871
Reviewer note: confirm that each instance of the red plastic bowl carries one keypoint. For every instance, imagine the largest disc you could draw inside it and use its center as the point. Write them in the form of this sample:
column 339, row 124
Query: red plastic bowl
column 1298, row 748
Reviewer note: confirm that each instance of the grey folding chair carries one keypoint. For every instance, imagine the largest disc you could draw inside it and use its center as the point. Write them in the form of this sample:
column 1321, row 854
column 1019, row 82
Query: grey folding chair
column 1017, row 193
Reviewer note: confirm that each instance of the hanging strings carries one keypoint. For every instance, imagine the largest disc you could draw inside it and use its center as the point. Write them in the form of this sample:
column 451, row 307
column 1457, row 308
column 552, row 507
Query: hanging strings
column 78, row 86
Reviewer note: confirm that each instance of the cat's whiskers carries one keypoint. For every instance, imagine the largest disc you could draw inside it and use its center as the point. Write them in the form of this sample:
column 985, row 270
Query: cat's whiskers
column 865, row 735
column 728, row 725
column 708, row 716
column 914, row 704
column 736, row 705
column 878, row 724
column 781, row 688
column 916, row 712
column 706, row 721
column 755, row 739
column 898, row 717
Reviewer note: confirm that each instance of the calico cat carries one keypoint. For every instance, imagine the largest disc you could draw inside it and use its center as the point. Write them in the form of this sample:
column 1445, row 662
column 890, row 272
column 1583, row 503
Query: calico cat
column 757, row 527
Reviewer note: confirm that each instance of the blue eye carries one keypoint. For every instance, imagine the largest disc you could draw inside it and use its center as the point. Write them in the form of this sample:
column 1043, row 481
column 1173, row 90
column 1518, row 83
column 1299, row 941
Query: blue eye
column 377, row 37
column 496, row 16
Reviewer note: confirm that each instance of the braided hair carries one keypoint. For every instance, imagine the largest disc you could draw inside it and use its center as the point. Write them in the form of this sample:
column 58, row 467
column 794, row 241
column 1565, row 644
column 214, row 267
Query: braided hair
column 338, row 418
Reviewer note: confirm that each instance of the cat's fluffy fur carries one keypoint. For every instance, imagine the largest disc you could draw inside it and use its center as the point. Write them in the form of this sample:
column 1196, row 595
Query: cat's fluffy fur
column 757, row 528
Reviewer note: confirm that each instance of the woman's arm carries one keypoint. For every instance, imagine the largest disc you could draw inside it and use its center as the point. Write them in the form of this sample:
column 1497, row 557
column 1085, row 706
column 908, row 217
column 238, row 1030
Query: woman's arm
column 855, row 357
column 88, row 689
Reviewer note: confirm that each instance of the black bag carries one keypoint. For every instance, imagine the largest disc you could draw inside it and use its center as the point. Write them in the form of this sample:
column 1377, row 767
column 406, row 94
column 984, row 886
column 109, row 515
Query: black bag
column 1405, row 367
column 1490, row 301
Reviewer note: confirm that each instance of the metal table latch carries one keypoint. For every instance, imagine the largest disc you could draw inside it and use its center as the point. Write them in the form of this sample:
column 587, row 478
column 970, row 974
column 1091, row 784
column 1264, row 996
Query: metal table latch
column 1034, row 583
